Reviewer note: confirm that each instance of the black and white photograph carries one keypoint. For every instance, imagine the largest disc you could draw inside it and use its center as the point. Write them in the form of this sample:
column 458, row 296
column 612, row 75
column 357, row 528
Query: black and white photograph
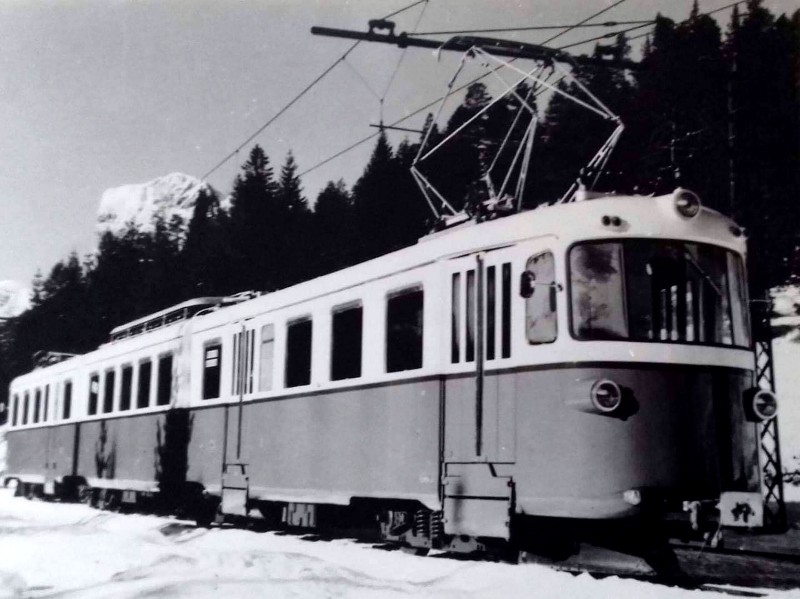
column 381, row 299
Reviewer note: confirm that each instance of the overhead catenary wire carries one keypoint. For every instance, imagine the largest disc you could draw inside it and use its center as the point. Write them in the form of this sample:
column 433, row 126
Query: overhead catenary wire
column 410, row 115
column 705, row 14
column 535, row 28
column 403, row 53
column 615, row 33
column 475, row 80
column 460, row 88
column 296, row 98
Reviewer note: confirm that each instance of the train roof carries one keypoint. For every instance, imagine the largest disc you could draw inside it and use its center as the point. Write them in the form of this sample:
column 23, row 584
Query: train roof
column 638, row 216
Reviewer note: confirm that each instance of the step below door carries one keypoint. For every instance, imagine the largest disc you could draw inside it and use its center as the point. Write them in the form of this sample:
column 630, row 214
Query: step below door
column 477, row 501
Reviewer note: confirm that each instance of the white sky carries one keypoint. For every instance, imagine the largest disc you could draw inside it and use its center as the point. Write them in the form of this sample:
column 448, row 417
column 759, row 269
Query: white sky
column 101, row 93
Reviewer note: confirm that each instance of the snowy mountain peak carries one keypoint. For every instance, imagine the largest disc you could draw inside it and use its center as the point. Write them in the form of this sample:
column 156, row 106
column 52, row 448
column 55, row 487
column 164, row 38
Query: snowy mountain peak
column 167, row 196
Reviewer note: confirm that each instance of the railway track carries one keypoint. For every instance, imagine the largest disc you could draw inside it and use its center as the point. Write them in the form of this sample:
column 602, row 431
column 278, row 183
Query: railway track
column 741, row 567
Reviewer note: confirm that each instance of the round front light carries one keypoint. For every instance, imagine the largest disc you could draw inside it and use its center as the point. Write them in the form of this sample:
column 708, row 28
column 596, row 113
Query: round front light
column 765, row 404
column 606, row 395
column 687, row 204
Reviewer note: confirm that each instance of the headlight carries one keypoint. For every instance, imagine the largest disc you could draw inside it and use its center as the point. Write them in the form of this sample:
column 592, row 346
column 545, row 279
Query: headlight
column 606, row 395
column 687, row 204
column 765, row 404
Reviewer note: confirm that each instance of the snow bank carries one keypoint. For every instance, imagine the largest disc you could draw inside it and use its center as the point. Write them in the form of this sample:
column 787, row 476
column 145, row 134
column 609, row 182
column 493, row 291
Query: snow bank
column 74, row 551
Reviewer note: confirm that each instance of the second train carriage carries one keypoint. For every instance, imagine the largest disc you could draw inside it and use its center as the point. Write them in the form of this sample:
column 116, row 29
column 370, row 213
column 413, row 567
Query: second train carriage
column 587, row 361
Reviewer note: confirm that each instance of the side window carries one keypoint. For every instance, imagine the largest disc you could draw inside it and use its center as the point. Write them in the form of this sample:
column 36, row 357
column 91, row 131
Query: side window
column 242, row 363
column 46, row 409
column 212, row 368
column 455, row 319
column 164, row 388
column 505, row 311
column 298, row 352
column 126, row 392
column 67, row 399
column 266, row 358
column 25, row 404
column 404, row 317
column 145, row 378
column 539, row 280
column 37, row 405
column 108, row 391
column 14, row 410
column 94, row 392
column 491, row 308
column 346, row 342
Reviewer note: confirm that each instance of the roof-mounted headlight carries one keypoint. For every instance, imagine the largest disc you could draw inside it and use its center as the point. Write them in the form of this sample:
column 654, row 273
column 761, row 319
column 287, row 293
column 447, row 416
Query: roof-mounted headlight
column 687, row 204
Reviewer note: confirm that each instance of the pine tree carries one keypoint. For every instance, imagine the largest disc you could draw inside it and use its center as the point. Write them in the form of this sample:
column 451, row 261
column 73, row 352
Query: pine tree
column 205, row 255
column 766, row 126
column 293, row 259
column 373, row 201
column 334, row 231
column 251, row 226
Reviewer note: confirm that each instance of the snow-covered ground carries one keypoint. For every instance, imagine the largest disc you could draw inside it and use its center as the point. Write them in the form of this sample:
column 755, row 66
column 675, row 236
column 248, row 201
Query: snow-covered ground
column 70, row 550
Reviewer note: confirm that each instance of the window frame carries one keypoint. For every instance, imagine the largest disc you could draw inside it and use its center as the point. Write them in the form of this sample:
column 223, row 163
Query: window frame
column 307, row 318
column 355, row 305
column 215, row 343
column 162, row 357
column 551, row 288
column 109, row 403
column 394, row 294
column 93, row 376
column 14, row 409
column 66, row 402
column 128, row 366
column 570, row 315
column 140, row 381
column 262, row 371
column 26, row 400
column 37, row 406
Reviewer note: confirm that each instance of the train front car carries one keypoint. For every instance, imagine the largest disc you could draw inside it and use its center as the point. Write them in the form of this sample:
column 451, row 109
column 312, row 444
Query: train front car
column 629, row 399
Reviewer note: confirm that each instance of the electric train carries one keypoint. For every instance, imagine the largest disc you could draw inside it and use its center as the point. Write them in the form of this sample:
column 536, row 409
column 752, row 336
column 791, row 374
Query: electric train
column 582, row 364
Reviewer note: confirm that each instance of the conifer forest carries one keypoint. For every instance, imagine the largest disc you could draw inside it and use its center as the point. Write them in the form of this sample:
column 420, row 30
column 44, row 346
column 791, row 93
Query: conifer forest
column 713, row 108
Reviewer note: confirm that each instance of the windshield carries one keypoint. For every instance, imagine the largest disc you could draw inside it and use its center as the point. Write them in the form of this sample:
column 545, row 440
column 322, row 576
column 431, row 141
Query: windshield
column 655, row 290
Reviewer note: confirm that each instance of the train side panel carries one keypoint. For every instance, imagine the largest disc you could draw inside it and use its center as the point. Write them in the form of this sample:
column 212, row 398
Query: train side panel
column 61, row 453
column 204, row 439
column 122, row 452
column 379, row 441
column 27, row 453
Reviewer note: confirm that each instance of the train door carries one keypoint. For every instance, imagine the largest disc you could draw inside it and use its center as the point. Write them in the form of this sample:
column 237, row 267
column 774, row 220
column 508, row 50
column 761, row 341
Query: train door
column 235, row 480
column 61, row 440
column 480, row 435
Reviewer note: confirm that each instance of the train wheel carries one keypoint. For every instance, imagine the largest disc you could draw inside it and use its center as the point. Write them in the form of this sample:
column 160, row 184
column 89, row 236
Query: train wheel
column 109, row 500
column 207, row 512
column 86, row 495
